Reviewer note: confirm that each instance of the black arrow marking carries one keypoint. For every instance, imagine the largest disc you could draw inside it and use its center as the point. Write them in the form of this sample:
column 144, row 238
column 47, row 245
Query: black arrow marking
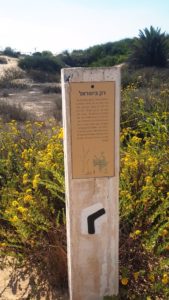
column 91, row 219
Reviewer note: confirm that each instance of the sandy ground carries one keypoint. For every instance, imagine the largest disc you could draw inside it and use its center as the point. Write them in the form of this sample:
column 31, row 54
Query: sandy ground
column 32, row 99
column 17, row 284
column 41, row 106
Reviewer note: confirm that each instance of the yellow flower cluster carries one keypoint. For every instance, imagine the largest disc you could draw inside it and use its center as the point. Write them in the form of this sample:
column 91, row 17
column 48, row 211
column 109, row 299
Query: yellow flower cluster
column 25, row 178
column 28, row 199
column 165, row 278
column 36, row 181
column 124, row 281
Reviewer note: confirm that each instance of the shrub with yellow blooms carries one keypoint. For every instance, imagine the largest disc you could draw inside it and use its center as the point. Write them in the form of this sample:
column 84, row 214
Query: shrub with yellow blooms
column 32, row 189
column 144, row 196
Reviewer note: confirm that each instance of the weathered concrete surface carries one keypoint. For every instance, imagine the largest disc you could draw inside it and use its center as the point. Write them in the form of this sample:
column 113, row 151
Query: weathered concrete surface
column 92, row 258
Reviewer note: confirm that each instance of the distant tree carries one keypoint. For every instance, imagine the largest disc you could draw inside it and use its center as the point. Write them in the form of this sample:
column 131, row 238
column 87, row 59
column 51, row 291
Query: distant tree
column 41, row 63
column 150, row 48
column 10, row 52
column 43, row 53
column 37, row 54
column 107, row 54
column 47, row 53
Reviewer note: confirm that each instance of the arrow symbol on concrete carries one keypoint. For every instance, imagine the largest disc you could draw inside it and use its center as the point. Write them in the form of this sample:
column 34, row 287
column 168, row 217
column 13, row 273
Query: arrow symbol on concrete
column 91, row 220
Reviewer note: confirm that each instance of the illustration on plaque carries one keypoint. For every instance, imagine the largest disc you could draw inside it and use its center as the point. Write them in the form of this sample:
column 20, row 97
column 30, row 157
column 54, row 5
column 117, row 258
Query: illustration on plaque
column 92, row 219
column 100, row 162
column 92, row 165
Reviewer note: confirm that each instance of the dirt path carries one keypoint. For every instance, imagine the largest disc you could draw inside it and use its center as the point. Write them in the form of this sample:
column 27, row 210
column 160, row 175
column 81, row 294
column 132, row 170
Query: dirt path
column 32, row 98
column 41, row 106
column 17, row 284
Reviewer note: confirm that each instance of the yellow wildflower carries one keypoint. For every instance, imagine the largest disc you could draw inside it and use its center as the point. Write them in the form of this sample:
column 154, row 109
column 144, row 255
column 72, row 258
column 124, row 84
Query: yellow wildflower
column 35, row 181
column 27, row 198
column 165, row 278
column 27, row 165
column 28, row 128
column 3, row 245
column 22, row 210
column 152, row 159
column 24, row 154
column 136, row 275
column 42, row 164
column 25, row 178
column 136, row 140
column 124, row 281
column 151, row 277
column 60, row 135
column 164, row 232
column 148, row 179
column 38, row 124
column 137, row 232
column 30, row 151
column 14, row 203
column 14, row 219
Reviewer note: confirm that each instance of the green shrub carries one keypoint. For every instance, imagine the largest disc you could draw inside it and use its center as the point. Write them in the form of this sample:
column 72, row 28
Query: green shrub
column 10, row 112
column 144, row 202
column 151, row 77
column 42, row 77
column 57, row 109
column 32, row 208
column 52, row 89
column 144, row 207
column 40, row 63
column 10, row 52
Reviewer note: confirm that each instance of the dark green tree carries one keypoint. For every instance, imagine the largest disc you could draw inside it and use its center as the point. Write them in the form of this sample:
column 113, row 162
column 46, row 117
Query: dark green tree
column 10, row 52
column 150, row 48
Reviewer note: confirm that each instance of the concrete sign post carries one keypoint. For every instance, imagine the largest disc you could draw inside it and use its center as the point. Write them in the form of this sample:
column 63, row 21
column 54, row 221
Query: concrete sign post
column 91, row 109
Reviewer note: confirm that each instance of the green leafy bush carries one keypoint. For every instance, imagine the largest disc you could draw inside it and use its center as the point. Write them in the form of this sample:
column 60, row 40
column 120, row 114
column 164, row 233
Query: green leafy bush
column 42, row 67
column 32, row 208
column 144, row 197
column 52, row 89
column 40, row 63
column 11, row 52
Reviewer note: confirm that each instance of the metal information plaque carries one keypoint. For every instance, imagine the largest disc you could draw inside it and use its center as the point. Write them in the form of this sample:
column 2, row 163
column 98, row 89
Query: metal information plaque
column 92, row 113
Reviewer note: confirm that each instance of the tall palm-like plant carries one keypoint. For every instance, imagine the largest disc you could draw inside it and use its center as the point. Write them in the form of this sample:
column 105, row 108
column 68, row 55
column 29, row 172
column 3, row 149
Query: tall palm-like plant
column 151, row 48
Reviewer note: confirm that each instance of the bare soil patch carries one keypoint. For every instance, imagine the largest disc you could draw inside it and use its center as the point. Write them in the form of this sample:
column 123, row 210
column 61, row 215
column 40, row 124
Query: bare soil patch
column 41, row 106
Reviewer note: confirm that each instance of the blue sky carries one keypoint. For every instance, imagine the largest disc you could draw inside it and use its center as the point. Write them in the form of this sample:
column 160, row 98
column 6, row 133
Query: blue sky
column 37, row 25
